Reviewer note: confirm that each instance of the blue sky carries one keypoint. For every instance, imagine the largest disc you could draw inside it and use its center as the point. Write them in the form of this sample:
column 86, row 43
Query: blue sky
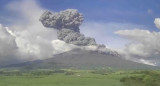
column 113, row 14
column 141, row 12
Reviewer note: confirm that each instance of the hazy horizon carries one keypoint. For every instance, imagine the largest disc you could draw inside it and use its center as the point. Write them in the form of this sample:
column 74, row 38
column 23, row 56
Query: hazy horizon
column 130, row 28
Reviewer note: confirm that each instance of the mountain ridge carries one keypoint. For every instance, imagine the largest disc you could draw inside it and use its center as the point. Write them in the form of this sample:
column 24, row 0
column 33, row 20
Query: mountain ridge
column 82, row 59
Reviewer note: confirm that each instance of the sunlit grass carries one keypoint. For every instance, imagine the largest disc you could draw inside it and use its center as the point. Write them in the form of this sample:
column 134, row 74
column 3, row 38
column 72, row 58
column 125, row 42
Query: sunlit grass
column 81, row 78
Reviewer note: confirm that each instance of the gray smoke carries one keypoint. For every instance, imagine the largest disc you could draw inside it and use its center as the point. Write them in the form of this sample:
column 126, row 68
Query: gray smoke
column 69, row 18
column 67, row 23
column 70, row 36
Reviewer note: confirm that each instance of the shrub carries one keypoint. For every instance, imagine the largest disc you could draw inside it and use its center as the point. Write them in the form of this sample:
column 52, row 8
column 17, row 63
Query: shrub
column 59, row 71
column 103, row 71
column 69, row 73
column 123, row 79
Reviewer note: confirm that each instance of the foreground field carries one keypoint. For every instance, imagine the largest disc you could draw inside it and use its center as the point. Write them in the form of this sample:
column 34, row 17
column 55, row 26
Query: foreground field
column 80, row 78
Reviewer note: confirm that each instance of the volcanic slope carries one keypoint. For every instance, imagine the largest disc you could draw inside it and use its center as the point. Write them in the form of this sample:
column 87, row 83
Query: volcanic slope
column 83, row 59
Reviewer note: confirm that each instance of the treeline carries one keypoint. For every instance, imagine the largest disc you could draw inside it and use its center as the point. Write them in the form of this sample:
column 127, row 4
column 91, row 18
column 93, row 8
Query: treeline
column 35, row 72
column 145, row 78
column 10, row 73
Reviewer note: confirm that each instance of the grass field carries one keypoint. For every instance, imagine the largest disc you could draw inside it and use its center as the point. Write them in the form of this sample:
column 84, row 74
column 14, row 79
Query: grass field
column 80, row 78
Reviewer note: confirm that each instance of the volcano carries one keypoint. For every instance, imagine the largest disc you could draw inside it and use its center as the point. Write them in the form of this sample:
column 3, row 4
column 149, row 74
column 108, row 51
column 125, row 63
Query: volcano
column 82, row 59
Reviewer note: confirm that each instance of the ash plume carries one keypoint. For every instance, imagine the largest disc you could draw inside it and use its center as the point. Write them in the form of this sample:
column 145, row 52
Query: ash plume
column 69, row 18
column 67, row 23
column 70, row 36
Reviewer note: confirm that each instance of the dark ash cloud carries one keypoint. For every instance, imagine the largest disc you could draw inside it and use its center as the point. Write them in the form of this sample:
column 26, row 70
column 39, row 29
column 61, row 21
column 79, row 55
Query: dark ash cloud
column 67, row 23
column 70, row 36
column 69, row 18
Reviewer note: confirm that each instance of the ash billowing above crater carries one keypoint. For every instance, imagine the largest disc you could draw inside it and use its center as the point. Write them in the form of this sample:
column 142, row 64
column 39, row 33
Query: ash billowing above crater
column 67, row 23
column 70, row 19
column 70, row 36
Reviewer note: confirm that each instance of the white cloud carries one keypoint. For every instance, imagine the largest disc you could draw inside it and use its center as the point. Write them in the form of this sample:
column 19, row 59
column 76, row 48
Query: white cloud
column 146, row 62
column 31, row 37
column 26, row 38
column 103, row 32
column 8, row 47
column 157, row 22
column 61, row 46
column 145, row 44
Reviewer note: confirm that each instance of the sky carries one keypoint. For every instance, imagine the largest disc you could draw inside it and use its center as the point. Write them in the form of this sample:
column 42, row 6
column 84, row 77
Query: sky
column 137, row 11
column 129, row 26
column 125, row 14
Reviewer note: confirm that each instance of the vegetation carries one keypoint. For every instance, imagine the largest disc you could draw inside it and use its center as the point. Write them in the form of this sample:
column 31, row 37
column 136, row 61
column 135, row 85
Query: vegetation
column 103, row 71
column 70, row 77
column 143, row 78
